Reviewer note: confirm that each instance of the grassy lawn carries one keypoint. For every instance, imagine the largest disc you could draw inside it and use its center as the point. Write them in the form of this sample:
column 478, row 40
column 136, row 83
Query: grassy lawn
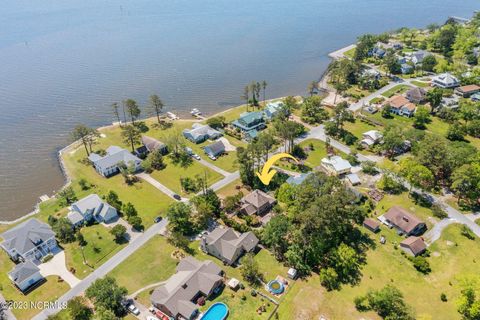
column 377, row 100
column 358, row 127
column 453, row 262
column 100, row 247
column 420, row 84
column 49, row 291
column 401, row 88
column 350, row 53
column 232, row 189
column 153, row 259
column 170, row 176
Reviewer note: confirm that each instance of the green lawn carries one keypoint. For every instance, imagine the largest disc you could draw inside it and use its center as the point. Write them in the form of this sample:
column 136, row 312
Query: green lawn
column 170, row 176
column 401, row 88
column 154, row 262
column 100, row 247
column 358, row 127
column 48, row 291
column 420, row 84
column 232, row 189
column 350, row 53
column 377, row 100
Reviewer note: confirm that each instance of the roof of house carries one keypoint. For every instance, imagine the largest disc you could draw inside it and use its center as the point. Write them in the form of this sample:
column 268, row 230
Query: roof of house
column 415, row 244
column 403, row 219
column 27, row 236
column 23, row 271
column 397, row 101
column 215, row 148
column 374, row 135
column 192, row 277
column 410, row 106
column 92, row 204
column 74, row 217
column 114, row 156
column 469, row 88
column 228, row 242
column 272, row 108
column 445, row 78
column 372, row 224
column 420, row 55
column 353, row 178
column 258, row 198
column 417, row 93
column 152, row 144
column 199, row 130
column 337, row 162
column 297, row 180
column 250, row 117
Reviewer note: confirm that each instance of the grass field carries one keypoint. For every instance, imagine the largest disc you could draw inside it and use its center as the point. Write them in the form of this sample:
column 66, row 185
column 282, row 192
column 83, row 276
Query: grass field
column 232, row 189
column 100, row 247
column 170, row 176
column 420, row 84
column 401, row 88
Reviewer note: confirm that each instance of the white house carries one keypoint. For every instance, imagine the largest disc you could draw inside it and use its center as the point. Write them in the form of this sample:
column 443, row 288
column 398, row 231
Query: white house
column 89, row 208
column 25, row 275
column 109, row 164
column 370, row 138
column 30, row 240
column 445, row 81
column 336, row 165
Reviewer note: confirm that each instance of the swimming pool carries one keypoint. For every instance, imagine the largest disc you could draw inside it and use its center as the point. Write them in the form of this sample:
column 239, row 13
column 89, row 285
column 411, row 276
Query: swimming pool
column 275, row 287
column 217, row 311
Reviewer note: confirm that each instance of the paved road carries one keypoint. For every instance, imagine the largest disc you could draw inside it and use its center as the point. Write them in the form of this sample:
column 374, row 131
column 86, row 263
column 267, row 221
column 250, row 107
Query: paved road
column 214, row 167
column 225, row 181
column 435, row 233
column 104, row 269
column 158, row 185
column 365, row 101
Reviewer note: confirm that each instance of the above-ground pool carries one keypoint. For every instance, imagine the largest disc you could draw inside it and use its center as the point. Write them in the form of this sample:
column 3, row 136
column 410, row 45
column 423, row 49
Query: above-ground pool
column 276, row 287
column 217, row 311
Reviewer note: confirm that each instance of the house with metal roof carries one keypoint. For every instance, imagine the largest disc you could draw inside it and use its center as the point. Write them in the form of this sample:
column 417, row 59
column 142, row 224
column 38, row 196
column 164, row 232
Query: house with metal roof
column 178, row 296
column 215, row 149
column 91, row 208
column 228, row 245
column 30, row 240
column 298, row 179
column 250, row 121
column 404, row 221
column 445, row 81
column 201, row 132
column 110, row 164
column 272, row 109
column 468, row 90
column 25, row 275
column 336, row 165
column 371, row 138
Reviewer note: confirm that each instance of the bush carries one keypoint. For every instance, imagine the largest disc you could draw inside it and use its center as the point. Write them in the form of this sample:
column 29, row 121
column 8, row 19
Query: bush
column 438, row 211
column 466, row 232
column 368, row 167
column 421, row 264
column 443, row 297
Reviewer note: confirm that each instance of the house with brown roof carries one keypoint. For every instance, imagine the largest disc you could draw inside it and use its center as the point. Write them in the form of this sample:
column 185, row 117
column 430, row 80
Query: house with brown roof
column 416, row 95
column 467, row 91
column 178, row 296
column 401, row 106
column 257, row 202
column 404, row 221
column 228, row 245
column 371, row 225
column 413, row 246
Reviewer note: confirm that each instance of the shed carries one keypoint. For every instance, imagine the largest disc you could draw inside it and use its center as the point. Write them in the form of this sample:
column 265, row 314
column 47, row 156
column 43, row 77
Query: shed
column 292, row 273
column 371, row 225
column 233, row 283
column 354, row 179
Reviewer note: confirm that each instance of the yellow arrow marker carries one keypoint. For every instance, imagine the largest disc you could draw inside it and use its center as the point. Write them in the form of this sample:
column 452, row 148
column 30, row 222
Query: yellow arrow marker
column 267, row 174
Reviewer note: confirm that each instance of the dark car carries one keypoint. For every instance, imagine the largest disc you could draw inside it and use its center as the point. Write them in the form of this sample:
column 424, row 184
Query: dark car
column 157, row 219
column 177, row 197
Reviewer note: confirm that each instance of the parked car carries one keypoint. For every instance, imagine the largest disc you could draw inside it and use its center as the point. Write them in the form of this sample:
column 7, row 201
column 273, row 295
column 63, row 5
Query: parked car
column 212, row 157
column 152, row 318
column 133, row 309
column 196, row 157
column 177, row 197
column 157, row 219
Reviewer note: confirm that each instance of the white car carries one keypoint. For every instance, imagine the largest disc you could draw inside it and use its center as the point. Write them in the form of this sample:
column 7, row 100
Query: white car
column 212, row 157
column 133, row 309
column 196, row 156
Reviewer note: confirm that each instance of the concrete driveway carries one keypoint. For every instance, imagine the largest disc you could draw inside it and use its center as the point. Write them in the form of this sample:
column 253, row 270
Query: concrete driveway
column 56, row 267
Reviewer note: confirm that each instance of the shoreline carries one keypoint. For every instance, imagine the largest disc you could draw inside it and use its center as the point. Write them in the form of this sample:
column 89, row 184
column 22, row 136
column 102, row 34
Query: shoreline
column 68, row 179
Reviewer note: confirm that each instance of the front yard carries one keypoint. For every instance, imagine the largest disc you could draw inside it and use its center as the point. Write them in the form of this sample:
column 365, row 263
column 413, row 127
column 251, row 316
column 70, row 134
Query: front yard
column 401, row 88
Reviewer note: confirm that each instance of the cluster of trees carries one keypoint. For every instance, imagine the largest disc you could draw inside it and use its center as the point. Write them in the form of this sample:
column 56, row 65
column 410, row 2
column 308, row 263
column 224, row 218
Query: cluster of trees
column 469, row 304
column 154, row 161
column 334, row 128
column 251, row 93
column 318, row 231
column 313, row 111
column 192, row 185
column 131, row 215
column 387, row 302
column 107, row 297
column 464, row 121
column 88, row 136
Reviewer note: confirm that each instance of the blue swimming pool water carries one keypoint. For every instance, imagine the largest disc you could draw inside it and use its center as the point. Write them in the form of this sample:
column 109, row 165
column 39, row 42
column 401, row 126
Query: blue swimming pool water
column 218, row 311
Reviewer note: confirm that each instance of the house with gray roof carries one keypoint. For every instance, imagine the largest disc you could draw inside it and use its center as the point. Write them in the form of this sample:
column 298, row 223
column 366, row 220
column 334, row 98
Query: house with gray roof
column 228, row 245
column 215, row 149
column 272, row 109
column 110, row 164
column 297, row 179
column 178, row 297
column 25, row 275
column 91, row 208
column 201, row 132
column 29, row 241
column 257, row 202
column 250, row 123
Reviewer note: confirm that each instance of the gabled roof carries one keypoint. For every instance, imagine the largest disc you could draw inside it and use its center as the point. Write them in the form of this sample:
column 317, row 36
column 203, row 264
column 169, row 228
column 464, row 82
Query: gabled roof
column 397, row 101
column 114, row 156
column 410, row 107
column 469, row 88
column 92, row 204
column 192, row 277
column 415, row 244
column 337, row 163
column 228, row 242
column 250, row 117
column 215, row 148
column 152, row 144
column 272, row 108
column 403, row 219
column 26, row 236
column 297, row 180
column 374, row 135
column 75, row 217
column 23, row 271
column 200, row 130
column 258, row 198
column 446, row 78
column 416, row 93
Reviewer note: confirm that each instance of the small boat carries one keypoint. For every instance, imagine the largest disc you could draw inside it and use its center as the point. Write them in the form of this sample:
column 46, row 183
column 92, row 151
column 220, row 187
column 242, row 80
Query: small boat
column 172, row 116
column 195, row 111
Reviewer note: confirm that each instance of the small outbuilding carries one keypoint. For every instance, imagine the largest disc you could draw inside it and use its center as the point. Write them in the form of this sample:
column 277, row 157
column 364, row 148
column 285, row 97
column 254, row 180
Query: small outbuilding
column 414, row 246
column 371, row 225
column 233, row 283
column 292, row 273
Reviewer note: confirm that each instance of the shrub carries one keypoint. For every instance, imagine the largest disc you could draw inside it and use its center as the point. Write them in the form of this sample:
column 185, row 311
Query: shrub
column 466, row 232
column 421, row 264
column 443, row 297
column 438, row 211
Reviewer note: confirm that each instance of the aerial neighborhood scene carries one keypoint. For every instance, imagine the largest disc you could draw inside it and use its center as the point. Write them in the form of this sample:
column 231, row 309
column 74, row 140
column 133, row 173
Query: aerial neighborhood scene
column 354, row 197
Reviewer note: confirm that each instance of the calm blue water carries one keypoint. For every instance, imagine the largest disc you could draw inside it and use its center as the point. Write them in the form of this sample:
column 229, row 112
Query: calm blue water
column 218, row 311
column 65, row 62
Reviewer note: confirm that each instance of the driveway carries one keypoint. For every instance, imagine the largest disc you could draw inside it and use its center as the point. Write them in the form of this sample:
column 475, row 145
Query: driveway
column 56, row 267
column 157, row 184
column 131, row 233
